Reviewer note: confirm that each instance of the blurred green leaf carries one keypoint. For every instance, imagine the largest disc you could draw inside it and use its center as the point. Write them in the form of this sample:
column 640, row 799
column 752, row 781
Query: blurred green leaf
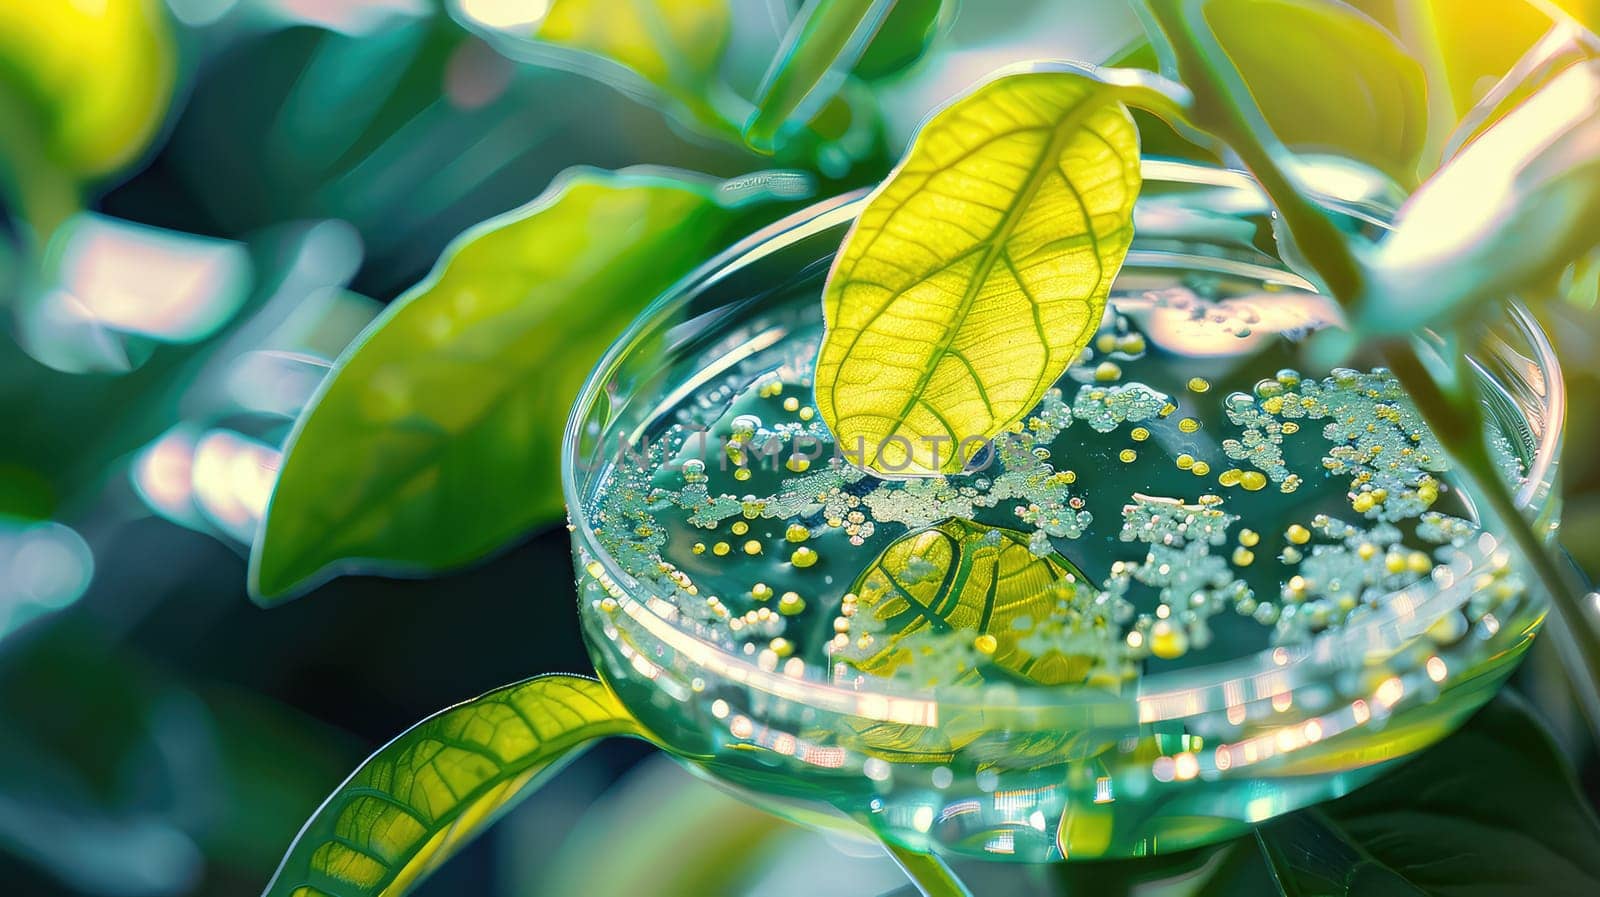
column 83, row 89
column 1017, row 195
column 1492, row 811
column 1327, row 79
column 424, row 795
column 1518, row 204
column 671, row 49
column 434, row 441
column 25, row 494
column 85, row 432
column 1157, row 136
column 119, row 779
column 826, row 40
column 905, row 36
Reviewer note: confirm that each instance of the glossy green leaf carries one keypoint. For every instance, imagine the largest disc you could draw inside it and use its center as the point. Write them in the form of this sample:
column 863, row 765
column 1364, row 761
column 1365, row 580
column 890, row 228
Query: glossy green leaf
column 827, row 38
column 83, row 89
column 978, row 270
column 671, row 49
column 904, row 37
column 434, row 441
column 1516, row 205
column 421, row 797
column 1491, row 811
column 1327, row 78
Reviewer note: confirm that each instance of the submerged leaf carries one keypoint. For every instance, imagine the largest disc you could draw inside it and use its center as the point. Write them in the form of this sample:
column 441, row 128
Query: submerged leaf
column 978, row 270
column 963, row 577
column 1491, row 811
column 434, row 441
column 1327, row 78
column 424, row 795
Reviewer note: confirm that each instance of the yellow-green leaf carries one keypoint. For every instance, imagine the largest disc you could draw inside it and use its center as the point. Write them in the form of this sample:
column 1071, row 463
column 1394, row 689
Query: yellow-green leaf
column 1327, row 78
column 963, row 577
column 83, row 89
column 98, row 76
column 424, row 795
column 671, row 48
column 435, row 439
column 977, row 272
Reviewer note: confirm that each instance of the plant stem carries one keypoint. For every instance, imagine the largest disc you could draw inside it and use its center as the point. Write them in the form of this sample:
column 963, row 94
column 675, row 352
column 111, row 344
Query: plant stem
column 1418, row 30
column 929, row 873
column 1224, row 106
column 1577, row 635
column 39, row 193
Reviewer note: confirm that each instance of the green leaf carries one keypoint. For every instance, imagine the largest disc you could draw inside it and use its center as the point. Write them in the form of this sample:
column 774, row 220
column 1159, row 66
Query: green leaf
column 421, row 797
column 976, row 273
column 826, row 39
column 960, row 576
column 1516, row 205
column 96, row 118
column 903, row 38
column 663, row 49
column 1327, row 79
column 65, row 121
column 434, row 440
column 1492, row 811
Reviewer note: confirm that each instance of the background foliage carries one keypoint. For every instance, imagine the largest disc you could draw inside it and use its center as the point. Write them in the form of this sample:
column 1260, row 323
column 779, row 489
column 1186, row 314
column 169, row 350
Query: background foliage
column 308, row 164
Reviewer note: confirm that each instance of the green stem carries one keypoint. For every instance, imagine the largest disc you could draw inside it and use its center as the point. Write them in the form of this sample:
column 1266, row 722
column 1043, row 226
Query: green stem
column 1578, row 637
column 928, row 873
column 1417, row 29
column 1223, row 105
column 38, row 191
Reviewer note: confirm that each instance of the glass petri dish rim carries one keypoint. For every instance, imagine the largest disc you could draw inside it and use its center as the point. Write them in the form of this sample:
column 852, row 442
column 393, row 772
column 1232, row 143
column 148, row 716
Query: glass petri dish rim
column 1405, row 614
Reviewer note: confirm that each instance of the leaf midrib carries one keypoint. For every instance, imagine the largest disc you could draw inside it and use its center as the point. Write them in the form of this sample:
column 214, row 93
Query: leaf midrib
column 1063, row 132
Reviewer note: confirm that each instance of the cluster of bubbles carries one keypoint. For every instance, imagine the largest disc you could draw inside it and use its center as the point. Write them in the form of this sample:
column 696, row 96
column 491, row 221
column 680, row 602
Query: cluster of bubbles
column 1196, row 555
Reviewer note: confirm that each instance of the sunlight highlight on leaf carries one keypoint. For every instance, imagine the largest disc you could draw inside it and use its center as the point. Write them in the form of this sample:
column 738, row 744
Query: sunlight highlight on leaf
column 977, row 272
column 1518, row 203
column 423, row 796
column 107, row 285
